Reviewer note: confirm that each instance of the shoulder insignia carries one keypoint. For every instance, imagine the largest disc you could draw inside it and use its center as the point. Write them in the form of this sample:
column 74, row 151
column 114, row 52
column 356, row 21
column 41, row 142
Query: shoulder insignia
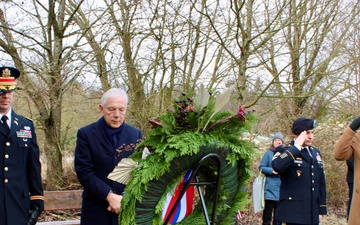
column 276, row 155
column 284, row 155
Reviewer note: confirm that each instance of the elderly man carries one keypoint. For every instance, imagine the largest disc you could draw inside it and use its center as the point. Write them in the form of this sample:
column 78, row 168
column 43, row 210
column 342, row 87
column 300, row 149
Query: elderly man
column 346, row 147
column 99, row 148
column 302, row 190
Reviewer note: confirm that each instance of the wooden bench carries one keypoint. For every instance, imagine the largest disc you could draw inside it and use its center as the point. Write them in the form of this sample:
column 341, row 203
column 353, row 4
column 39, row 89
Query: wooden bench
column 62, row 200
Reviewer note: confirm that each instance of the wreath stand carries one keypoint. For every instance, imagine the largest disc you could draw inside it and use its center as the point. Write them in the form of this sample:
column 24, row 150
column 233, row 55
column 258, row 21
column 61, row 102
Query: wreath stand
column 198, row 184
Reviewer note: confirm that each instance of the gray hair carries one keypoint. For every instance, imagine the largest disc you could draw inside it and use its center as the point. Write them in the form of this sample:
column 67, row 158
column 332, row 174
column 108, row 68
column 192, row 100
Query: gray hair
column 113, row 93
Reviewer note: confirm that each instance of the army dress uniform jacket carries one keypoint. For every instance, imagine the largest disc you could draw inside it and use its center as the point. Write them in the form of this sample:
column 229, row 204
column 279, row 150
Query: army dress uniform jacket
column 95, row 159
column 20, row 176
column 303, row 189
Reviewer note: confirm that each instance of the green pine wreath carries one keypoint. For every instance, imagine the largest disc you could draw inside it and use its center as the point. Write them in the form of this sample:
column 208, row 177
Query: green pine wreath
column 180, row 138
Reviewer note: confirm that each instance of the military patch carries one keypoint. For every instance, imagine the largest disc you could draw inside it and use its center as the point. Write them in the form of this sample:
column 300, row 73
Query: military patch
column 284, row 155
column 298, row 173
column 276, row 155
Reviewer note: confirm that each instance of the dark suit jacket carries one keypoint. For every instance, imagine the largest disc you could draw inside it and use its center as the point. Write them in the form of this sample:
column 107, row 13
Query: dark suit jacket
column 20, row 176
column 95, row 159
column 303, row 188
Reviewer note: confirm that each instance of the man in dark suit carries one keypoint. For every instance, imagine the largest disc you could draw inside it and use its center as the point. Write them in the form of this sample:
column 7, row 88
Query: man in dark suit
column 21, row 192
column 303, row 189
column 99, row 148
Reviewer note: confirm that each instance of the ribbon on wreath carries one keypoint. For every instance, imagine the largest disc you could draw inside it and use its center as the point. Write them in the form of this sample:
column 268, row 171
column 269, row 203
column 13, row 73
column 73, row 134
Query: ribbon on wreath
column 185, row 206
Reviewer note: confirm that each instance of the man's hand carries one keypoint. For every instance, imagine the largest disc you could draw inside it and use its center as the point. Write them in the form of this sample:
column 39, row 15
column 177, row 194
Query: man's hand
column 34, row 215
column 114, row 201
column 300, row 140
column 355, row 124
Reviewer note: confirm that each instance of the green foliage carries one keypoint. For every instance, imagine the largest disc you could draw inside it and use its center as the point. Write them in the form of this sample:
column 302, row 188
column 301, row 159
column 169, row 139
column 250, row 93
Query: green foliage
column 184, row 132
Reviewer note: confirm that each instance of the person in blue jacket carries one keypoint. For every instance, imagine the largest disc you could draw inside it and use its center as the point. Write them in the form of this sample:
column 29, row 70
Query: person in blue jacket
column 303, row 189
column 99, row 148
column 21, row 191
column 272, row 181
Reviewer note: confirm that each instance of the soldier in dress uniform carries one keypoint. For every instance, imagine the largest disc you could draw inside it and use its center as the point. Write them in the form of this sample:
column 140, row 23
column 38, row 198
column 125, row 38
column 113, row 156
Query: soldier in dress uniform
column 303, row 189
column 21, row 192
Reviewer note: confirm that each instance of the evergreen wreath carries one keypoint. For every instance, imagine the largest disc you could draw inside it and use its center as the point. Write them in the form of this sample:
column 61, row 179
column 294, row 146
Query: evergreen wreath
column 178, row 140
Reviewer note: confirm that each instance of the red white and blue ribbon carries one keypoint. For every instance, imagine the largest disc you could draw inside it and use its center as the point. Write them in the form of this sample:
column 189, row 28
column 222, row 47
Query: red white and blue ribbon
column 185, row 206
column 239, row 215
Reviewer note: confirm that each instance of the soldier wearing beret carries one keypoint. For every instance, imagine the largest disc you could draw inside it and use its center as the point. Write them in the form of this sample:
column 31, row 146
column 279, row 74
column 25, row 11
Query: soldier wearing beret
column 21, row 192
column 303, row 189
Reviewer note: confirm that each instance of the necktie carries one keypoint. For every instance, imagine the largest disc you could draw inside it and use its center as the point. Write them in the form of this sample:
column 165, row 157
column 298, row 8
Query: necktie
column 5, row 124
column 308, row 150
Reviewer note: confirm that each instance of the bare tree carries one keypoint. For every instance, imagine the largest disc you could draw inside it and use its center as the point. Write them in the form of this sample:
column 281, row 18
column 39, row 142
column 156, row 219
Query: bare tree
column 347, row 100
column 162, row 53
column 98, row 41
column 306, row 59
column 282, row 53
column 239, row 31
column 38, row 50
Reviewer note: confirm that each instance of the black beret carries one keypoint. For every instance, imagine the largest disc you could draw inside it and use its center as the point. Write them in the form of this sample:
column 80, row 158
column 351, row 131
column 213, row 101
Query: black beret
column 302, row 124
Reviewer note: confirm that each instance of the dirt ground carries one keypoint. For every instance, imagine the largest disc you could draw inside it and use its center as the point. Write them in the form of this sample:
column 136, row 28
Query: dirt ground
column 334, row 217
column 60, row 215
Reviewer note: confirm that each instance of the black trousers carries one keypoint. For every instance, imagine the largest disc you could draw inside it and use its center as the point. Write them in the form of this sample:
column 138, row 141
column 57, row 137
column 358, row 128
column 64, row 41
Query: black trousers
column 269, row 212
column 351, row 188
